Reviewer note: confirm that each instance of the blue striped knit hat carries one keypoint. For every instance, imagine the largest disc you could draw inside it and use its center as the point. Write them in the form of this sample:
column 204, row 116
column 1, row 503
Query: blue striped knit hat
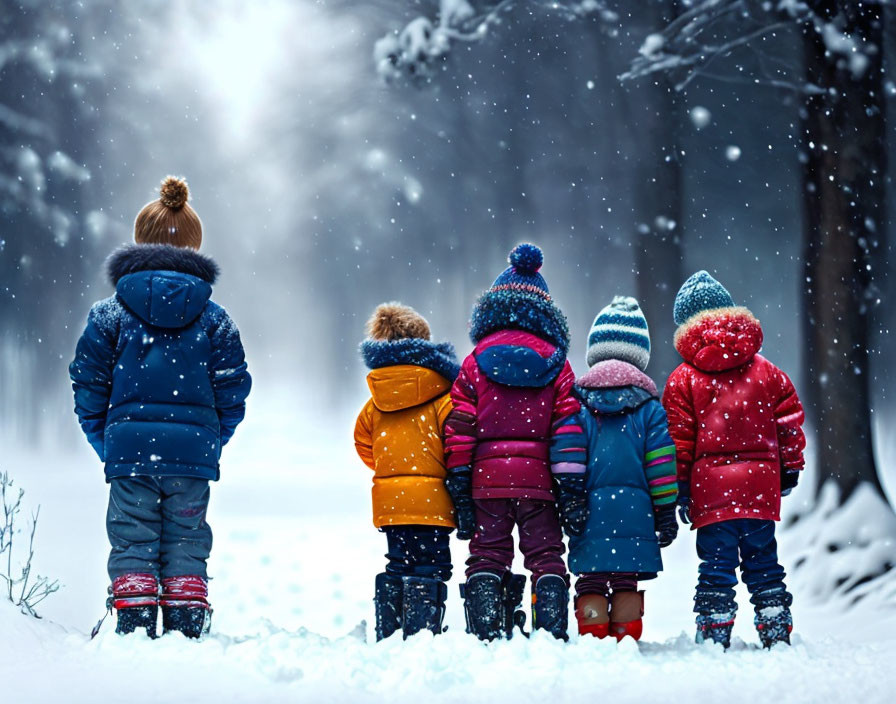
column 699, row 293
column 620, row 332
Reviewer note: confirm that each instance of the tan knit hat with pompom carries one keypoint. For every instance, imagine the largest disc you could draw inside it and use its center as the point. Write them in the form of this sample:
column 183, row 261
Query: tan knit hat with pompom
column 170, row 219
column 393, row 321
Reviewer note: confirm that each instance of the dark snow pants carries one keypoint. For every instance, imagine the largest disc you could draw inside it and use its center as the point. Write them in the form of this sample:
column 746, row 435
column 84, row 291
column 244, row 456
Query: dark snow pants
column 723, row 546
column 418, row 551
column 541, row 540
column 157, row 525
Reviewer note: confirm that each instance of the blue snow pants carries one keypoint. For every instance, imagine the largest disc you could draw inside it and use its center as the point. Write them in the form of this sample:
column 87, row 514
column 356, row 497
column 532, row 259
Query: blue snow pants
column 723, row 546
column 157, row 525
column 418, row 551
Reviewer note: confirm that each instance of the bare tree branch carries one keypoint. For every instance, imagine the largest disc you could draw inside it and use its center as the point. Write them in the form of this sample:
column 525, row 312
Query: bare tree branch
column 22, row 589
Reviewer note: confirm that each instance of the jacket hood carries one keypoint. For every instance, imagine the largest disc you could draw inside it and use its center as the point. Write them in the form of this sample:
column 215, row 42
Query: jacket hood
column 614, row 386
column 401, row 386
column 165, row 286
column 719, row 339
column 612, row 373
column 132, row 258
column 517, row 358
column 437, row 356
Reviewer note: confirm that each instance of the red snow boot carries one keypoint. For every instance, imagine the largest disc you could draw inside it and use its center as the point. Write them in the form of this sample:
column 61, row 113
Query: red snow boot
column 185, row 606
column 626, row 610
column 593, row 615
column 135, row 598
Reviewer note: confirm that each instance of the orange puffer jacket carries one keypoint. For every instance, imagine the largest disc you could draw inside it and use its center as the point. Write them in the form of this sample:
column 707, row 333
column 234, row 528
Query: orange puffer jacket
column 399, row 436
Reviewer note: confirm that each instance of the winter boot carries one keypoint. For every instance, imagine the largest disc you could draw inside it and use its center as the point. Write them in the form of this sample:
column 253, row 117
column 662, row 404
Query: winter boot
column 550, row 605
column 773, row 620
column 711, row 629
column 514, row 586
column 135, row 598
column 715, row 616
column 626, row 610
column 593, row 615
column 387, row 604
column 185, row 606
column 484, row 607
column 423, row 605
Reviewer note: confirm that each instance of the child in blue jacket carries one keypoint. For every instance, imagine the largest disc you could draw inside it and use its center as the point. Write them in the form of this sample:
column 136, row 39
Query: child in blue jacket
column 160, row 384
column 623, row 510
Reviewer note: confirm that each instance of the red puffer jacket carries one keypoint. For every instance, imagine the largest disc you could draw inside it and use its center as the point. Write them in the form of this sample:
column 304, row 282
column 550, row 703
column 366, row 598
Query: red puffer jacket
column 735, row 418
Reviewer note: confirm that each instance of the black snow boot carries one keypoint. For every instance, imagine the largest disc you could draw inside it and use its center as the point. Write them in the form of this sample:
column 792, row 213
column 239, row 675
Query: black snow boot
column 715, row 617
column 773, row 619
column 484, row 605
column 492, row 604
column 192, row 621
column 550, row 605
column 423, row 605
column 387, row 604
column 134, row 617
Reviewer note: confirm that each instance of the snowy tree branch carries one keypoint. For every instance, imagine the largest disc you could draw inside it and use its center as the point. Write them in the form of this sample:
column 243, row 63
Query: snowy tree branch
column 415, row 52
column 713, row 29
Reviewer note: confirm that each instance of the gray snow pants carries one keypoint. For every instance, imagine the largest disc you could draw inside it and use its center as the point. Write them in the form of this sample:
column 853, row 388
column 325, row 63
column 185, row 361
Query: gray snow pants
column 157, row 525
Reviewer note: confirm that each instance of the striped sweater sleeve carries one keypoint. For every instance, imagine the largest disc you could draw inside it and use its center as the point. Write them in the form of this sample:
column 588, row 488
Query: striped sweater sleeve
column 569, row 454
column 659, row 458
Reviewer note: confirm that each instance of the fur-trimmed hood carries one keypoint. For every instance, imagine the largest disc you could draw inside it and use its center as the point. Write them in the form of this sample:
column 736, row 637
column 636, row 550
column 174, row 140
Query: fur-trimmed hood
column 408, row 372
column 437, row 356
column 614, row 386
column 165, row 286
column 506, row 309
column 719, row 339
column 132, row 258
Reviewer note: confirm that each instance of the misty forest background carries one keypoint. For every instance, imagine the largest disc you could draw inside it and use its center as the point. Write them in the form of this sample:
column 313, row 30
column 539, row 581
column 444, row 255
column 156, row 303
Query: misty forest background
column 346, row 152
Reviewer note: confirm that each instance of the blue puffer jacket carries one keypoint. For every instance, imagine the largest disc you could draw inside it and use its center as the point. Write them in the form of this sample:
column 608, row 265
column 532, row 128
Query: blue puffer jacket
column 159, row 374
column 630, row 471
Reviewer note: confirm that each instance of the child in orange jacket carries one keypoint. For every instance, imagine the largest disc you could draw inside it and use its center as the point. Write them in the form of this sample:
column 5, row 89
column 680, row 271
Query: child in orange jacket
column 399, row 436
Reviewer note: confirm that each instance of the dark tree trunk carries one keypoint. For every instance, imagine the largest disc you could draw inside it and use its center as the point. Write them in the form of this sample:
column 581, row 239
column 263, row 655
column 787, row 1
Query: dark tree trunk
column 658, row 216
column 844, row 240
column 658, row 209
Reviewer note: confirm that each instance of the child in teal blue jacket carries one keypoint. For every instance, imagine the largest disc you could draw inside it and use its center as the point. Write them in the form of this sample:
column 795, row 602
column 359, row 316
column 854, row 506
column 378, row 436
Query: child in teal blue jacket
column 626, row 510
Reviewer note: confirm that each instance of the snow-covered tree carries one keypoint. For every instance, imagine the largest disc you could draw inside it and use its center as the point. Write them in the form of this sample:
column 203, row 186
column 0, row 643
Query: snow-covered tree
column 46, row 125
column 843, row 153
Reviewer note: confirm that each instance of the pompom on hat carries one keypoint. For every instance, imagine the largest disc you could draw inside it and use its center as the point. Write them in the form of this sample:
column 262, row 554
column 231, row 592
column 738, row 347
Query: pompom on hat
column 620, row 332
column 699, row 293
column 522, row 274
column 394, row 321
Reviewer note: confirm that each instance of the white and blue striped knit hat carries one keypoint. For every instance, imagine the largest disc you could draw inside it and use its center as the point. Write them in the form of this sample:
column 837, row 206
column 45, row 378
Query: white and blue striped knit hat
column 620, row 332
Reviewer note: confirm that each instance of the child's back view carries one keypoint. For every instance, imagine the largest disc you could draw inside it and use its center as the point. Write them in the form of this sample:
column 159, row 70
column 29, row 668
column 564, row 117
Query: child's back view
column 737, row 425
column 399, row 436
column 513, row 391
column 160, row 384
column 630, row 478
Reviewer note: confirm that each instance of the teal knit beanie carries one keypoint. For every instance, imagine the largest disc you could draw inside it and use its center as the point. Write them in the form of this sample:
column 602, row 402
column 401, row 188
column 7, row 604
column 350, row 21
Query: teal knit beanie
column 699, row 293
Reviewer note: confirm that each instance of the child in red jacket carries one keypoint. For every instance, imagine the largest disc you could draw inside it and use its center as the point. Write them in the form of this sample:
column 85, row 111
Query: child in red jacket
column 737, row 425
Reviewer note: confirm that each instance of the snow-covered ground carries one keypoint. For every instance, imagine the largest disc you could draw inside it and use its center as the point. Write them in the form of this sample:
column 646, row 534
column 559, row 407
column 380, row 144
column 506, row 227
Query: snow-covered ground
column 293, row 566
